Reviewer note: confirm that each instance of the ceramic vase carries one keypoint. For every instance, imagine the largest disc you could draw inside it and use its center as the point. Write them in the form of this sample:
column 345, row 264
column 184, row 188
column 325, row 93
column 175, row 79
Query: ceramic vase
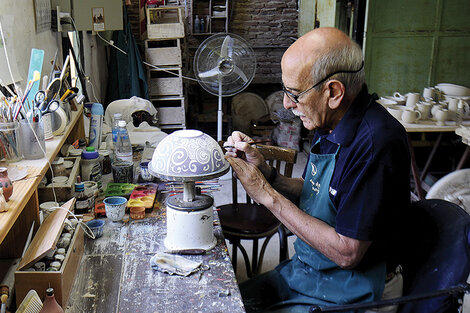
column 5, row 183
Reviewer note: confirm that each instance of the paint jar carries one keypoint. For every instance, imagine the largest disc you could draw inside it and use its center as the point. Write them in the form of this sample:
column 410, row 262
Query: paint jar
column 9, row 142
column 115, row 208
column 144, row 171
column 123, row 171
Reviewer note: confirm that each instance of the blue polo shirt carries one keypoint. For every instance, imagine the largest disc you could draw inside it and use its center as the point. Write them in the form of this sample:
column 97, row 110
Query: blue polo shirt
column 370, row 186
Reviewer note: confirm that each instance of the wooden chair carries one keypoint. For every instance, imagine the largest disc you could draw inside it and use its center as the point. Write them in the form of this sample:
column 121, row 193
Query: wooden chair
column 250, row 221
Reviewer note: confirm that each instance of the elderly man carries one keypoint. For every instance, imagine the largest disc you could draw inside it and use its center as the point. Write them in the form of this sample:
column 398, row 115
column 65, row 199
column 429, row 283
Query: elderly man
column 354, row 189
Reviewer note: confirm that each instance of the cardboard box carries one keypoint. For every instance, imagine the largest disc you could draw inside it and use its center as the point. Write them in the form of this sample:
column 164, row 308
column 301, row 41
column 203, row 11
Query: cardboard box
column 44, row 241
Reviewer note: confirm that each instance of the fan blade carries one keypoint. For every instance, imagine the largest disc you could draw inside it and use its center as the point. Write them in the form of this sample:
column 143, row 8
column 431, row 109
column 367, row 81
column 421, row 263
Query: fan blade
column 239, row 72
column 226, row 50
column 210, row 73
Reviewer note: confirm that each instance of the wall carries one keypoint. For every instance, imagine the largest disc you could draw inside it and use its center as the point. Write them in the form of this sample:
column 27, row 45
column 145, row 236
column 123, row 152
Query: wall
column 25, row 38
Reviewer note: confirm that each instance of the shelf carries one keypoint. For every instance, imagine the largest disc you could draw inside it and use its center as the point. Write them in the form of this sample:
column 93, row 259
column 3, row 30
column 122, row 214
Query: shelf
column 204, row 10
column 24, row 189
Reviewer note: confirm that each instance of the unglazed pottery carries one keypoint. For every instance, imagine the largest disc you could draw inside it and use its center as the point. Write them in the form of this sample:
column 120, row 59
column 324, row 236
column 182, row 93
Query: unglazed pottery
column 187, row 155
column 5, row 183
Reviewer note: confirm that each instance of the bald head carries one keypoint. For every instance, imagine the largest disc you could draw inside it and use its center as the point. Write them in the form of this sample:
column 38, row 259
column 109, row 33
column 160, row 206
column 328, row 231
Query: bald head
column 321, row 52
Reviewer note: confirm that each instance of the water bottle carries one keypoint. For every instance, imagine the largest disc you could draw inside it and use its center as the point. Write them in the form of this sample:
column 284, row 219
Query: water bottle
column 203, row 25
column 123, row 148
column 115, row 129
column 197, row 24
column 96, row 124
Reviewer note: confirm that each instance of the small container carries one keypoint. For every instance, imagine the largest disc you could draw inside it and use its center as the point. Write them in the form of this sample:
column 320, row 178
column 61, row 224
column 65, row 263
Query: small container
column 56, row 265
column 60, row 251
column 58, row 167
column 90, row 165
column 123, row 171
column 96, row 227
column 115, row 208
column 137, row 213
column 59, row 257
column 106, row 162
column 144, row 171
column 10, row 141
column 40, row 266
column 32, row 141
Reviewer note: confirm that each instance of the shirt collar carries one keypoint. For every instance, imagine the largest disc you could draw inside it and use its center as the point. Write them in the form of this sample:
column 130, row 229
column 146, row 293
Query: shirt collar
column 344, row 132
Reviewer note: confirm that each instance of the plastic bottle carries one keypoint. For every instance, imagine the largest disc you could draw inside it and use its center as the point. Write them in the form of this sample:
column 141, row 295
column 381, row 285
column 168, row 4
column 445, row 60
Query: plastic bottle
column 50, row 304
column 81, row 200
column 123, row 148
column 90, row 165
column 459, row 113
column 197, row 24
column 115, row 129
column 203, row 25
column 96, row 124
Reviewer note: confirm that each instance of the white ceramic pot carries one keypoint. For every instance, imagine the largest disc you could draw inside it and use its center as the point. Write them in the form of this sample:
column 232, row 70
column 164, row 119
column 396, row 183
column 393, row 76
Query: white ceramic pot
column 115, row 208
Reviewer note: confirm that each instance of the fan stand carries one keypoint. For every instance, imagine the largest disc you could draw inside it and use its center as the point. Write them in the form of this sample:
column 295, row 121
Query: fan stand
column 219, row 113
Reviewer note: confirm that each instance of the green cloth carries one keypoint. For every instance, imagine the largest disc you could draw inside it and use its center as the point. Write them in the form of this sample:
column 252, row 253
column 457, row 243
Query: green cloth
column 126, row 73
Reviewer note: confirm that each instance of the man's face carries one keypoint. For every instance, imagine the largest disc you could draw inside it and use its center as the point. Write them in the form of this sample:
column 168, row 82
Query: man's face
column 312, row 106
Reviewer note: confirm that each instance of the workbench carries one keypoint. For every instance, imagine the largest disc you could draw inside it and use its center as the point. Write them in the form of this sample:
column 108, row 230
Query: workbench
column 115, row 273
column 427, row 126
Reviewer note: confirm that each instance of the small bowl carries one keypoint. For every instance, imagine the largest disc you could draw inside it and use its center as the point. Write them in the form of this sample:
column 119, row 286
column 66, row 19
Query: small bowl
column 96, row 227
column 137, row 213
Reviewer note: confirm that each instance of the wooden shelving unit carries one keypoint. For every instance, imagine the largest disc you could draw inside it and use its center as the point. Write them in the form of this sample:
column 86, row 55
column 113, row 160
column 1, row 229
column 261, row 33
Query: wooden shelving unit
column 23, row 206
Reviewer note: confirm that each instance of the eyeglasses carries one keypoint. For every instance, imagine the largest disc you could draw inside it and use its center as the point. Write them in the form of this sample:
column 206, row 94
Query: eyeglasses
column 295, row 97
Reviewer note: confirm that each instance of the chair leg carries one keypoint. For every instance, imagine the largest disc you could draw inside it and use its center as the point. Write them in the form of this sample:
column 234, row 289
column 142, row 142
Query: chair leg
column 236, row 244
column 283, row 240
column 261, row 254
column 254, row 257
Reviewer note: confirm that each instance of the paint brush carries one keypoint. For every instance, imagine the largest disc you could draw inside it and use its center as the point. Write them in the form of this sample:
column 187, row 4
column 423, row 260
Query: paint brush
column 254, row 143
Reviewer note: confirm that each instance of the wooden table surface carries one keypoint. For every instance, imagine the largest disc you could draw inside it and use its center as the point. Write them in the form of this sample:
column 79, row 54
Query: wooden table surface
column 115, row 273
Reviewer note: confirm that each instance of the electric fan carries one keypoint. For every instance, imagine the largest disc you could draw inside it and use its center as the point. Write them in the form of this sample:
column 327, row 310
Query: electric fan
column 224, row 64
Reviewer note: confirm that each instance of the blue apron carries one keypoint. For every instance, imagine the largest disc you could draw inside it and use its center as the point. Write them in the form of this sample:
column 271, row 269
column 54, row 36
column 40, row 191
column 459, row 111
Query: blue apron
column 312, row 275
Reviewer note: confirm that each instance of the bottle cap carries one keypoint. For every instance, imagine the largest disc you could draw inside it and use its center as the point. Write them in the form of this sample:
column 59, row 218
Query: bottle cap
column 90, row 149
column 88, row 155
column 50, row 291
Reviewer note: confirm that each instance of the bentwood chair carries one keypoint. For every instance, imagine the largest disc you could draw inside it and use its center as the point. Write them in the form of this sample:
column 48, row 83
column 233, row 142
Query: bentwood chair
column 250, row 221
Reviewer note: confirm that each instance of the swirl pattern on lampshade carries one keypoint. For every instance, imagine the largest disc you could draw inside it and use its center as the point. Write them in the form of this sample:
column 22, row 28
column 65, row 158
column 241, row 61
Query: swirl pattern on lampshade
column 188, row 153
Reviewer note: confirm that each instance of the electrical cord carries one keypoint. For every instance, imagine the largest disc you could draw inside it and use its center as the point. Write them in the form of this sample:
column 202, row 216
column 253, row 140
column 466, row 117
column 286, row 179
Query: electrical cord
column 84, row 226
column 148, row 64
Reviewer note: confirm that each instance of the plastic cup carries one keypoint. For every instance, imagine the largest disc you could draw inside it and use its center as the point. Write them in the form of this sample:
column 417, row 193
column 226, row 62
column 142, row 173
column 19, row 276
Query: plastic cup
column 32, row 139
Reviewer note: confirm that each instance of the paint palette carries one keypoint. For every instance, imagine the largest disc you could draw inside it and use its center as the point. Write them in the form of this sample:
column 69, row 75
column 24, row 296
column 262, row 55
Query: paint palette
column 119, row 189
column 143, row 196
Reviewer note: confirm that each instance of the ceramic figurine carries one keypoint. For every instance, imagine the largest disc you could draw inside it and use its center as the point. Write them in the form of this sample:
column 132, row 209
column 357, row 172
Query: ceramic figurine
column 3, row 202
column 5, row 183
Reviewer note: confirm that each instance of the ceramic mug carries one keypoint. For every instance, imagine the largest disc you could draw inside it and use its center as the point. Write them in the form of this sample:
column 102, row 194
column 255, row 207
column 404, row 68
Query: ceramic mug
column 115, row 208
column 410, row 116
column 395, row 111
column 429, row 93
column 399, row 98
column 425, row 109
column 437, row 107
column 441, row 115
column 412, row 98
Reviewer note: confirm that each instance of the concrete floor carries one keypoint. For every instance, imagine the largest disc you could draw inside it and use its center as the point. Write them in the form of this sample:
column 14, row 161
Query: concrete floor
column 271, row 258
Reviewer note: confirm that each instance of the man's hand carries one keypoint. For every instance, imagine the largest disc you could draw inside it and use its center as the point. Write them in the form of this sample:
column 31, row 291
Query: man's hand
column 242, row 143
column 251, row 178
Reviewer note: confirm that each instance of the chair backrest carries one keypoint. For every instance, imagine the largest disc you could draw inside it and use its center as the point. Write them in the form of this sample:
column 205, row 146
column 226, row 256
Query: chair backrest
column 283, row 159
column 438, row 254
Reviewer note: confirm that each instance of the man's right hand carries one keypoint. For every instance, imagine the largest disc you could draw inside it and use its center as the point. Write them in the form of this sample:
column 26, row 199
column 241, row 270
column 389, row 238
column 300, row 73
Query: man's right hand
column 242, row 143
